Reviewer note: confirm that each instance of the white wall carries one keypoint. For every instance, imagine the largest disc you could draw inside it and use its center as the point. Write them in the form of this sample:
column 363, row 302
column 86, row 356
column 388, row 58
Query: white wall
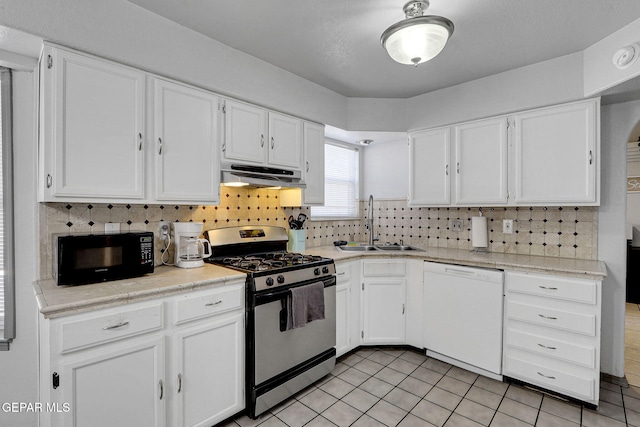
column 546, row 83
column 617, row 122
column 19, row 365
column 385, row 173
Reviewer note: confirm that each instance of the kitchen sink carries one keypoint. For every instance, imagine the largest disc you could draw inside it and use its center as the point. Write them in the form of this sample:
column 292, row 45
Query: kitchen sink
column 359, row 248
column 388, row 248
column 397, row 248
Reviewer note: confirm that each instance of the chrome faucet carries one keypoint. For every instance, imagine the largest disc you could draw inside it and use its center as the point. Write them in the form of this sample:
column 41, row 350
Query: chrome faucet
column 369, row 224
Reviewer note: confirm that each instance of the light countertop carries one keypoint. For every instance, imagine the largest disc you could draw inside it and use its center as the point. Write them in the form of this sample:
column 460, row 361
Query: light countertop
column 56, row 301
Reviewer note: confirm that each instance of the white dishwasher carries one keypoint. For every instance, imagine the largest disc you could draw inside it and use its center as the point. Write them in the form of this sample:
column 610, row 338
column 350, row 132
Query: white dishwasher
column 463, row 316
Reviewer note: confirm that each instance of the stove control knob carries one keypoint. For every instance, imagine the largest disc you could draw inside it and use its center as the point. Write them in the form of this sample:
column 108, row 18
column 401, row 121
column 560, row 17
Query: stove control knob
column 316, row 271
column 325, row 269
column 280, row 279
column 269, row 281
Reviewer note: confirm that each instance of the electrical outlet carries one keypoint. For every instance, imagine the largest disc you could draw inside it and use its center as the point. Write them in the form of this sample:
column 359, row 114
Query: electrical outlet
column 164, row 230
column 111, row 227
column 457, row 224
column 507, row 226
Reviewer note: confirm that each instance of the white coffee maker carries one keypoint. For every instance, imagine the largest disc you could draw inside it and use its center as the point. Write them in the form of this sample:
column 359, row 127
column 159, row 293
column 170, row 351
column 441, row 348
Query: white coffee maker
column 190, row 249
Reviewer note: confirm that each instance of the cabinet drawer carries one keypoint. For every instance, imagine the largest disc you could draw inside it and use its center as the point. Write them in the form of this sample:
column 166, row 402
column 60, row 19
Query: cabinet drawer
column 552, row 379
column 191, row 307
column 584, row 291
column 557, row 349
column 563, row 320
column 343, row 272
column 121, row 323
column 384, row 268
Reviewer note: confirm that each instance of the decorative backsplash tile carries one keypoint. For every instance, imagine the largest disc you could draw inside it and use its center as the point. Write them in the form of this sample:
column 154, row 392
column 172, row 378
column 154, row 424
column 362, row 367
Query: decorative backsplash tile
column 568, row 232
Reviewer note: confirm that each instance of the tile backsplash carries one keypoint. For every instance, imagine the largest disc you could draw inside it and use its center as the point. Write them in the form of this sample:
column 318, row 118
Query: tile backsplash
column 568, row 232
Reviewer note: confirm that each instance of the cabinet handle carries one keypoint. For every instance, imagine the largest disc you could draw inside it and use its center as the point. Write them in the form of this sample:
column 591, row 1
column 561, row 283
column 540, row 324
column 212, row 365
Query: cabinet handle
column 272, row 143
column 548, row 288
column 340, row 274
column 546, row 376
column 119, row 325
column 161, row 384
column 160, row 146
column 547, row 317
column 307, row 166
column 458, row 168
column 209, row 304
column 224, row 147
column 140, row 143
column 446, row 170
column 590, row 157
column 262, row 140
column 546, row 346
column 49, row 180
column 179, row 383
column 402, row 308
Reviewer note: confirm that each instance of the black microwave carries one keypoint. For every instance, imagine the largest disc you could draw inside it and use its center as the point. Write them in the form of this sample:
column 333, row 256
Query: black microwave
column 91, row 258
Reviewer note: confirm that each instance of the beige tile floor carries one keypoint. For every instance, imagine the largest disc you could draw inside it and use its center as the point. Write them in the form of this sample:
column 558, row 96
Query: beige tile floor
column 632, row 344
column 396, row 387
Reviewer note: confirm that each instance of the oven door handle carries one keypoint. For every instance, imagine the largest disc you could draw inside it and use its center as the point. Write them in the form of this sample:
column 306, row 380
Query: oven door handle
column 281, row 293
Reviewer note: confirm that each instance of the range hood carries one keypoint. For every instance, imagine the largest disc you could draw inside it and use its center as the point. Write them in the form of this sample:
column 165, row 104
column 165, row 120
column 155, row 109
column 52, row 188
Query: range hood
column 242, row 175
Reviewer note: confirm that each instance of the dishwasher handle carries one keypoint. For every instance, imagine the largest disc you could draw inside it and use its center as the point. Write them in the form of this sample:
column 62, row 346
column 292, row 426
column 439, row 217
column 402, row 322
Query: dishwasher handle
column 459, row 272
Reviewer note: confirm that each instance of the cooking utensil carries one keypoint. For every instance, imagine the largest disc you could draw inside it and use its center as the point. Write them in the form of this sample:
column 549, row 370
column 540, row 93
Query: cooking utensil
column 293, row 224
column 301, row 219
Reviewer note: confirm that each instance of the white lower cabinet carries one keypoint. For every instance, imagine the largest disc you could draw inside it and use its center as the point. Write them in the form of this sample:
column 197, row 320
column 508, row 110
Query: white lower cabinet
column 384, row 303
column 347, row 306
column 143, row 365
column 206, row 357
column 552, row 333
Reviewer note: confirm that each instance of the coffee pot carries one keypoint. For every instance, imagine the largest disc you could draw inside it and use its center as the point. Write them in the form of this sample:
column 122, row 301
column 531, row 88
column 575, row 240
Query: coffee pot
column 190, row 249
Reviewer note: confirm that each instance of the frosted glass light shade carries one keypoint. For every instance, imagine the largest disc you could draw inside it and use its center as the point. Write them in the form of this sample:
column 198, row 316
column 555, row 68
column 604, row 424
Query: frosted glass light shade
column 417, row 40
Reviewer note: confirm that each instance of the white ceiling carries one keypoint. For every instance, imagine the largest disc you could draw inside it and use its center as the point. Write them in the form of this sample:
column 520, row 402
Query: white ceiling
column 336, row 43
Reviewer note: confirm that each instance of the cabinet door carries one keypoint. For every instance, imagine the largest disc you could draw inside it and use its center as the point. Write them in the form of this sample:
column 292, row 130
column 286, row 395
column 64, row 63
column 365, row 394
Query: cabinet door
column 313, row 168
column 384, row 311
column 116, row 386
column 94, row 119
column 285, row 141
column 245, row 132
column 556, row 155
column 429, row 174
column 186, row 144
column 343, row 318
column 481, row 162
column 209, row 371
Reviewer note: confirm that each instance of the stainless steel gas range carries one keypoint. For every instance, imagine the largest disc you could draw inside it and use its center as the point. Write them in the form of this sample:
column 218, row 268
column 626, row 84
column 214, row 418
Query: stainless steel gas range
column 290, row 316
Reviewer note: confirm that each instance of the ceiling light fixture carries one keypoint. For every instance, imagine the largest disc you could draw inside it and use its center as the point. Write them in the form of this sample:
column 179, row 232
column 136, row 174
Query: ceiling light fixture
column 418, row 38
column 365, row 141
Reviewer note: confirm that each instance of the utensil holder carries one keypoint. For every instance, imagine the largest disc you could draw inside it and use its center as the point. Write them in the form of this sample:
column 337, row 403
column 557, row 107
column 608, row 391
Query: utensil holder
column 297, row 239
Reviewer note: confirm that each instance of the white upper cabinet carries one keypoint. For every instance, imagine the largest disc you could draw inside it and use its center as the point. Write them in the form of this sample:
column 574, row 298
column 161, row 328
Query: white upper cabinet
column 186, row 144
column 556, row 153
column 92, row 125
column 258, row 136
column 313, row 168
column 430, row 174
column 481, row 162
column 544, row 157
column 245, row 133
column 285, row 141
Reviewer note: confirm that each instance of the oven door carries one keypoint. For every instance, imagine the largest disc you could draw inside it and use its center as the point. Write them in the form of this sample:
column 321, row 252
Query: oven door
column 277, row 351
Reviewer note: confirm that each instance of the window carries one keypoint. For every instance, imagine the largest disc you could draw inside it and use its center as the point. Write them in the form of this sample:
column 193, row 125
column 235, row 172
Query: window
column 341, row 180
column 7, row 300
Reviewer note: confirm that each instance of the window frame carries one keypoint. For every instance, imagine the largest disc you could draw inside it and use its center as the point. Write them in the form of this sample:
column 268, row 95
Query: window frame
column 9, row 330
column 357, row 190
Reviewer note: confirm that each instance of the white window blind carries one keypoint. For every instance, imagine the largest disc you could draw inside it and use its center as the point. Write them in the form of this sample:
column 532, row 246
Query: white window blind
column 341, row 181
column 7, row 290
